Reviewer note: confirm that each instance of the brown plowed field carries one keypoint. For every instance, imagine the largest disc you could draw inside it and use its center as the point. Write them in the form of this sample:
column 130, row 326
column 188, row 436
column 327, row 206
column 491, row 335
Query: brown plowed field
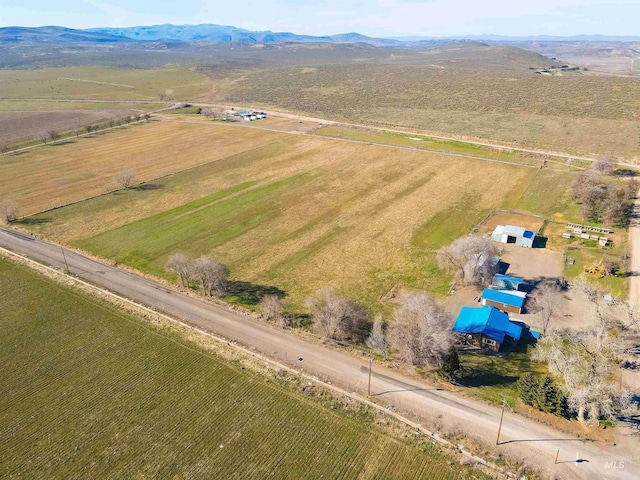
column 22, row 126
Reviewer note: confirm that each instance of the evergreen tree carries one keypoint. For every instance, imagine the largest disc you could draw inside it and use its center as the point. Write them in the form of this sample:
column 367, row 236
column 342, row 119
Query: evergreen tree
column 450, row 366
column 547, row 395
column 528, row 389
column 562, row 406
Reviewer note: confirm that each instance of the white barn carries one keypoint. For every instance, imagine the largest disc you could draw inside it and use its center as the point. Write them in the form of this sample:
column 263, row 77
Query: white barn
column 511, row 234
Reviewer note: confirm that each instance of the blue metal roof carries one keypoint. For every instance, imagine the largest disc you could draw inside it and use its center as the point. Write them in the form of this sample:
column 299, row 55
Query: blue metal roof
column 514, row 331
column 534, row 334
column 486, row 320
column 502, row 297
column 528, row 234
column 507, row 278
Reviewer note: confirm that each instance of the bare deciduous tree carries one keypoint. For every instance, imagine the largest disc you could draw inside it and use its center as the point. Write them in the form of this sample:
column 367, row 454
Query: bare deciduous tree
column 213, row 276
column 76, row 132
column 125, row 179
column 605, row 165
column 89, row 128
column 613, row 211
column 206, row 112
column 5, row 148
column 376, row 339
column 8, row 209
column 582, row 183
column 469, row 259
column 421, row 330
column 587, row 360
column 337, row 317
column 271, row 307
column 550, row 300
column 182, row 266
column 112, row 123
column 630, row 315
column 53, row 135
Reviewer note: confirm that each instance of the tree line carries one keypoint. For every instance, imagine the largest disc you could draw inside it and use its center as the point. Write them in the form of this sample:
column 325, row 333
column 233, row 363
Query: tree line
column 54, row 135
column 602, row 202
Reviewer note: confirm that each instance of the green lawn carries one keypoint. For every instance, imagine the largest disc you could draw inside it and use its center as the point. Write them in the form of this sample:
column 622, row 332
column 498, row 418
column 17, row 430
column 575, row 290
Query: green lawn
column 494, row 378
column 91, row 392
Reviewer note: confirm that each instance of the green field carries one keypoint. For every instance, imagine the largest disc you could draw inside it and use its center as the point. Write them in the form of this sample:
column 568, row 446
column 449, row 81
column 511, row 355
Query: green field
column 91, row 392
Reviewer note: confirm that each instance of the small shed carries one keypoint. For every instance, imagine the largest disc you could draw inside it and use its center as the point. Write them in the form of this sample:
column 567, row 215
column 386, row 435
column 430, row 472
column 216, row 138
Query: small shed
column 512, row 234
column 506, row 282
column 486, row 326
column 503, row 300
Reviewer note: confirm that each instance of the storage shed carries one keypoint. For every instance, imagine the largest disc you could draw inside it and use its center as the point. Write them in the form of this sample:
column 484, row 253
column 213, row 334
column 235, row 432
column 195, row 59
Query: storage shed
column 512, row 234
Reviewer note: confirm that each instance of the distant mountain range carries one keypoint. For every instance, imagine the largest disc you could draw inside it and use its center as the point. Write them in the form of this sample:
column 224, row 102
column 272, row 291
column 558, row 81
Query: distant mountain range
column 227, row 34
column 55, row 35
column 533, row 38
column 223, row 33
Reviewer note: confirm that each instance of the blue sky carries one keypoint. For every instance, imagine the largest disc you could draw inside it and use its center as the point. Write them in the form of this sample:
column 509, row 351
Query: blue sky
column 322, row 17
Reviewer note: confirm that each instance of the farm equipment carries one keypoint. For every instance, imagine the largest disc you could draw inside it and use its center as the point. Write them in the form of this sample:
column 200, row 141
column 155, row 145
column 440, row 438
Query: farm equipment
column 600, row 269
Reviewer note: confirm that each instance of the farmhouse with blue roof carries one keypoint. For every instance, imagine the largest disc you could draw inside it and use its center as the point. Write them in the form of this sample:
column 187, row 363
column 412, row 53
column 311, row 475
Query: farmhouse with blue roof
column 487, row 327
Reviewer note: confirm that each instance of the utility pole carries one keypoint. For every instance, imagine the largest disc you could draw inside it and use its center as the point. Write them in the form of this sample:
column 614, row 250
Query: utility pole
column 65, row 260
column 370, row 366
column 555, row 462
column 500, row 426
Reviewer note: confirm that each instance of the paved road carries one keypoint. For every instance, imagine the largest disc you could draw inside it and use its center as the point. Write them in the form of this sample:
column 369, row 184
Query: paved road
column 535, row 444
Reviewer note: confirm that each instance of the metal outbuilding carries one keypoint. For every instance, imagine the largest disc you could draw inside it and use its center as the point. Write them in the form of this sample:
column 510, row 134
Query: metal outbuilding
column 504, row 300
column 512, row 234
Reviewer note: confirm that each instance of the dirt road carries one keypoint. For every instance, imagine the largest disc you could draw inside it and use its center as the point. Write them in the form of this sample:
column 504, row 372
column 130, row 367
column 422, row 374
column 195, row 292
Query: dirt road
column 532, row 443
column 408, row 130
column 634, row 238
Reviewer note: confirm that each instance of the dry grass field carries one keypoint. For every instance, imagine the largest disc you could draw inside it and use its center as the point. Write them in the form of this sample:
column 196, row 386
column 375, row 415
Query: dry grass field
column 89, row 391
column 21, row 126
column 303, row 213
column 52, row 175
column 101, row 83
column 506, row 218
